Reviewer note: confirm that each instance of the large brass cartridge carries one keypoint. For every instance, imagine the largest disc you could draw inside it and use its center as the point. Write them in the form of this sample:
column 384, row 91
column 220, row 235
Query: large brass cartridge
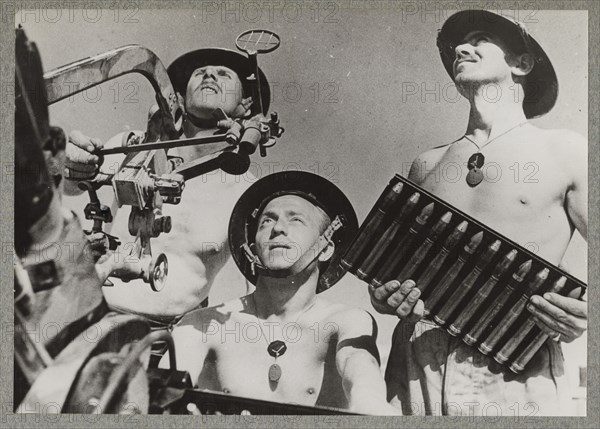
column 525, row 329
column 525, row 356
column 424, row 248
column 509, row 318
column 459, row 294
column 381, row 248
column 484, row 323
column 482, row 293
column 441, row 289
column 373, row 222
column 435, row 265
column 386, row 272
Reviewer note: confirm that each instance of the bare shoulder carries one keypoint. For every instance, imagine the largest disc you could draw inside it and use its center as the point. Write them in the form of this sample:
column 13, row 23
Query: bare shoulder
column 221, row 188
column 240, row 183
column 426, row 161
column 204, row 319
column 569, row 147
column 206, row 207
column 348, row 319
column 562, row 138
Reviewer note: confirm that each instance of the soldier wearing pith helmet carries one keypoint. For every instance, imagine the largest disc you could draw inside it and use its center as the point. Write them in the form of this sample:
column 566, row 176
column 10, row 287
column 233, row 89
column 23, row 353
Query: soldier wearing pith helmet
column 429, row 371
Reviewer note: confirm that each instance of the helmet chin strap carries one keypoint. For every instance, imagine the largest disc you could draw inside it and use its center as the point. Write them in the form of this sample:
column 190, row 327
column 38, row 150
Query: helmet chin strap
column 239, row 112
column 301, row 264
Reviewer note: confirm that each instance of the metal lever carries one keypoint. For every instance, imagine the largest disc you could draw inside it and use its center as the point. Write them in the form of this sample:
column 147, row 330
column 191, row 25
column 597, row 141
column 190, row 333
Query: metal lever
column 99, row 213
column 166, row 144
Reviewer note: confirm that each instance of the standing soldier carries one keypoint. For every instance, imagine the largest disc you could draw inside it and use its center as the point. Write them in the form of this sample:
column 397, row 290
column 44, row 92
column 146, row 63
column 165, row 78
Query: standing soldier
column 429, row 371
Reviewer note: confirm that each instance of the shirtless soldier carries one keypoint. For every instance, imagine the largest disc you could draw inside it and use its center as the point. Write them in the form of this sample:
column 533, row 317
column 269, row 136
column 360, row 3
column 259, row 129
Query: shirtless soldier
column 283, row 342
column 429, row 371
column 205, row 80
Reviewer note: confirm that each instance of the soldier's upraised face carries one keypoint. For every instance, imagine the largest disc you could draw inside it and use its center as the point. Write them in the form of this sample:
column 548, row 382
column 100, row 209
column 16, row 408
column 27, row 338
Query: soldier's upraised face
column 213, row 87
column 482, row 57
column 287, row 228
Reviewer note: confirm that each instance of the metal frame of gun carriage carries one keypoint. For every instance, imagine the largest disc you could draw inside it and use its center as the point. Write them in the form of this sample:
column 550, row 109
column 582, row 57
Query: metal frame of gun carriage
column 148, row 177
column 105, row 375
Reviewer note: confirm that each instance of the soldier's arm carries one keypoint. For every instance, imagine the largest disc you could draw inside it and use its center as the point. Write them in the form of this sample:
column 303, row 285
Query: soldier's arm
column 557, row 314
column 357, row 361
column 82, row 164
column 576, row 197
column 196, row 249
column 186, row 286
column 192, row 343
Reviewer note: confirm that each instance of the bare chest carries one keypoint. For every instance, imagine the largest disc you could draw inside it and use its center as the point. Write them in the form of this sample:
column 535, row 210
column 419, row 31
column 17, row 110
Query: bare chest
column 515, row 177
column 243, row 366
column 521, row 194
column 199, row 221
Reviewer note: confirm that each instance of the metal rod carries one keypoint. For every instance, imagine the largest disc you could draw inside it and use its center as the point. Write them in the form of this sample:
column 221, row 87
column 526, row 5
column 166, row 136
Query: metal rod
column 166, row 144
column 120, row 373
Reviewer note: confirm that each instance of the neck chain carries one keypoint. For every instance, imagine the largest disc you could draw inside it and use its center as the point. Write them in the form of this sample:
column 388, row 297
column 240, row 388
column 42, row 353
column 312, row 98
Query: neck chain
column 476, row 161
column 278, row 347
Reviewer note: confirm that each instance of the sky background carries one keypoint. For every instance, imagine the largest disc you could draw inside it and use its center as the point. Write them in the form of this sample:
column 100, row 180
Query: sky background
column 360, row 90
